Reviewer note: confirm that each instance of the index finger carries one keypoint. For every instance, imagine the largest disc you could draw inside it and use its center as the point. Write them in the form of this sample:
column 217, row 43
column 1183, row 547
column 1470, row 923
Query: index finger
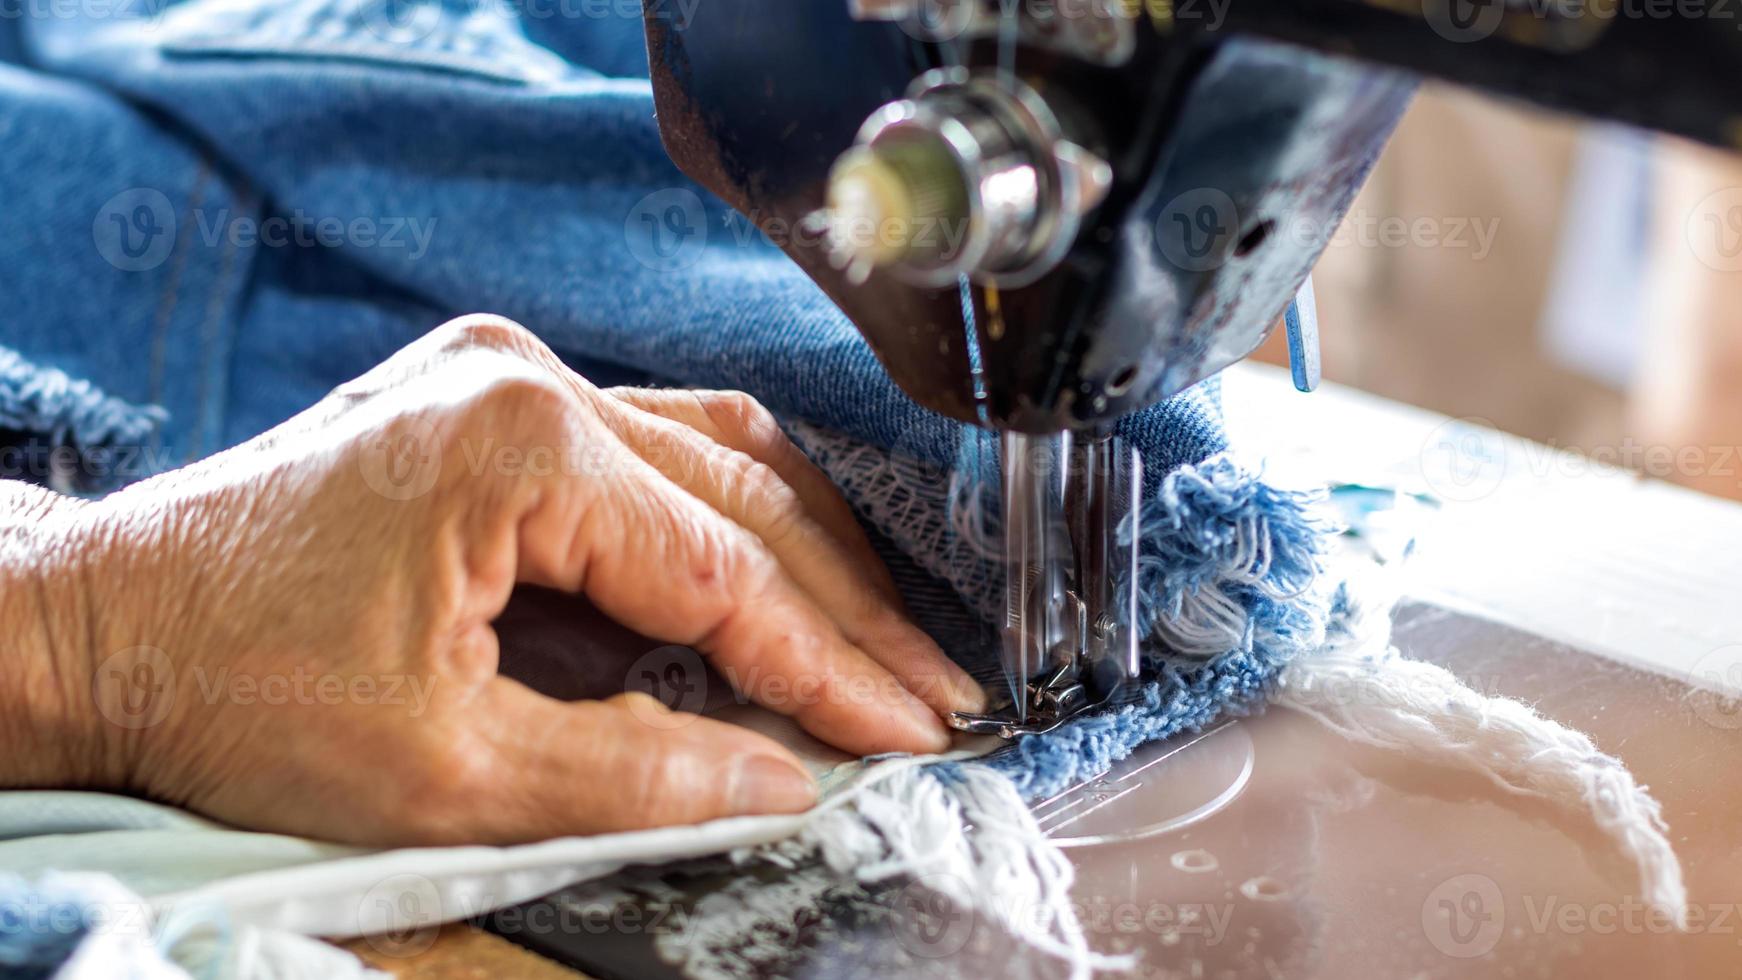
column 665, row 564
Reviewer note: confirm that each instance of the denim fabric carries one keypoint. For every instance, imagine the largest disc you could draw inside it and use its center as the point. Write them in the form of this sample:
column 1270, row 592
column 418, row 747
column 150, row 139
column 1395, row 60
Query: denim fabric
column 10, row 49
column 228, row 208
column 30, row 948
column 465, row 155
column 41, row 410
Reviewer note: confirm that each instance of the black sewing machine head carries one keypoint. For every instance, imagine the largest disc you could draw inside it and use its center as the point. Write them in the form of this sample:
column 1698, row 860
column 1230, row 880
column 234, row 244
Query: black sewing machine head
column 1043, row 214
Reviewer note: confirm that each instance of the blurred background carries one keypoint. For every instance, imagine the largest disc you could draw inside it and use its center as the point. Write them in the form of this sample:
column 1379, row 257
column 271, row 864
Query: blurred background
column 1579, row 285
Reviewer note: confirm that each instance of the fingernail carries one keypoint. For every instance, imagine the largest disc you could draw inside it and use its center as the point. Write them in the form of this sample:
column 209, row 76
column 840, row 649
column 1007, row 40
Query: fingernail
column 769, row 784
column 960, row 692
column 968, row 696
column 930, row 728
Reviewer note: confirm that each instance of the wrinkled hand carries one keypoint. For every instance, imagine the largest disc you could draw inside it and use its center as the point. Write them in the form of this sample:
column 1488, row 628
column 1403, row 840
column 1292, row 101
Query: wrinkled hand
column 295, row 635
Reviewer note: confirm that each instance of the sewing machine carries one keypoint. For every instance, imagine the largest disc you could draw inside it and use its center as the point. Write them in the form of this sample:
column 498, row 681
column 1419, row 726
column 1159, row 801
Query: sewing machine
column 1332, row 858
column 1044, row 215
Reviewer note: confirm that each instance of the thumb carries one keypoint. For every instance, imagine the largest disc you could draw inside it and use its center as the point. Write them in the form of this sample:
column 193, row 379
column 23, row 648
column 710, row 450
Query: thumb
column 628, row 763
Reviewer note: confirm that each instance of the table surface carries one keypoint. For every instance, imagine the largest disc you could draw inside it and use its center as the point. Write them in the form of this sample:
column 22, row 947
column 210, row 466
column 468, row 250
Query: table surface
column 1636, row 569
column 1599, row 589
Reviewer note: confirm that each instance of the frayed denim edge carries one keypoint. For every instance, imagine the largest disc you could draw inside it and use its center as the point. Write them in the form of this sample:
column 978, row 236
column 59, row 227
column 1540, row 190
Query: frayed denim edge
column 107, row 433
column 1230, row 578
column 1233, row 590
column 1231, row 574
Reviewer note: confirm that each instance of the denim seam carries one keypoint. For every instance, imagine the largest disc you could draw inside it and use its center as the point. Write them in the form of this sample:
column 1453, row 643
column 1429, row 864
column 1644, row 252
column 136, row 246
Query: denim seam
column 446, row 62
column 172, row 294
column 358, row 32
column 215, row 307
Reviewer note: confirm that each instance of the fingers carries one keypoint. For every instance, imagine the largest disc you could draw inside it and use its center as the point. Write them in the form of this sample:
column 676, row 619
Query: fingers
column 691, row 566
column 738, row 421
column 836, row 576
column 625, row 764
column 665, row 564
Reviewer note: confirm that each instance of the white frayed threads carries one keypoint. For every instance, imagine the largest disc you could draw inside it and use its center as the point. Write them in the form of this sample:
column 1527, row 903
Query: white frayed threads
column 968, row 836
column 1369, row 693
column 938, row 517
column 1206, row 622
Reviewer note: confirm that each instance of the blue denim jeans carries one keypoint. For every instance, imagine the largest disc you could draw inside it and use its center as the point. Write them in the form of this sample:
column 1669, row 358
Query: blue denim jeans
column 226, row 209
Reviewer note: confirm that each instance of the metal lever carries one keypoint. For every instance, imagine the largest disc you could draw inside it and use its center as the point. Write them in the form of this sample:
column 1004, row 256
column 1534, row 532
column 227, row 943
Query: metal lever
column 1301, row 323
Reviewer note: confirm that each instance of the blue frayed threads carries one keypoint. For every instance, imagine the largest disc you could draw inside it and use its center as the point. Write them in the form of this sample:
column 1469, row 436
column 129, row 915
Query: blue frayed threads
column 1228, row 573
column 1176, row 701
column 54, row 411
column 43, row 923
column 1226, row 576
column 1226, row 563
column 1217, row 544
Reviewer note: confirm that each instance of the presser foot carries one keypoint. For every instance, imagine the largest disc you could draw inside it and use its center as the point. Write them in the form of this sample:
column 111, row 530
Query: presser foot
column 1053, row 699
column 1007, row 727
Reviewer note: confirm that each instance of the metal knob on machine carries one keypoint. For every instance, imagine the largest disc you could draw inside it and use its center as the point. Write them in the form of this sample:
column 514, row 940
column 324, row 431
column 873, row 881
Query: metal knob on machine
column 971, row 174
